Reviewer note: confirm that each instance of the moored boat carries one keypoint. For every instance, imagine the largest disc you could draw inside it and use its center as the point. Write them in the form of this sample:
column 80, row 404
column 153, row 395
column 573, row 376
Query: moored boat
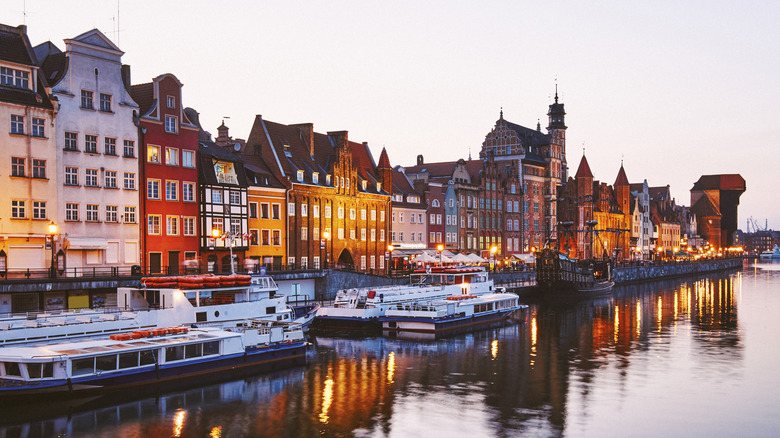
column 771, row 254
column 559, row 275
column 159, row 302
column 452, row 313
column 362, row 308
column 145, row 357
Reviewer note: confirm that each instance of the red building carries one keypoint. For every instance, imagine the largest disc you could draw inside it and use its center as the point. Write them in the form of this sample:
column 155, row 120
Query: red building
column 169, row 176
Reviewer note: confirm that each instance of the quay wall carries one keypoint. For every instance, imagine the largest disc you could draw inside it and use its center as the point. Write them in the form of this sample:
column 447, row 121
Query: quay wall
column 635, row 274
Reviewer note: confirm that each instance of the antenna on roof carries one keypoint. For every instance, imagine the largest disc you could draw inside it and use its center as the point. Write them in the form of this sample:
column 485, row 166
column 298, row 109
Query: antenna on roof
column 115, row 19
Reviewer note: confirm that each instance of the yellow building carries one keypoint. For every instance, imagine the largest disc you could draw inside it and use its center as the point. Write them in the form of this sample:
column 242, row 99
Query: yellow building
column 267, row 198
column 28, row 162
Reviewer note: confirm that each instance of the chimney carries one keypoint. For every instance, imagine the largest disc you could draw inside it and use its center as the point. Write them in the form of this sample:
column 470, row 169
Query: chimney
column 307, row 134
column 126, row 77
column 340, row 138
column 420, row 160
column 222, row 135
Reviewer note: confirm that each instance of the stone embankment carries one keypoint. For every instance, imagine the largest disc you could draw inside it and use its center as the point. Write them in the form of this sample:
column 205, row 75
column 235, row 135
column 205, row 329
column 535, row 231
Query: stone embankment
column 634, row 274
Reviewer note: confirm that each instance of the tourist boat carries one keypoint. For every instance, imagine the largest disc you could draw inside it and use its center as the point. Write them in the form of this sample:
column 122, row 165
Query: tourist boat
column 362, row 308
column 559, row 275
column 773, row 254
column 160, row 302
column 162, row 356
column 453, row 312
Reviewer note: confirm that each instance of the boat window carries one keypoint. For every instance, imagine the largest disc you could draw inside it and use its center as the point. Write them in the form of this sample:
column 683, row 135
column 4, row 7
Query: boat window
column 210, row 348
column 40, row 370
column 105, row 363
column 192, row 297
column 174, row 353
column 128, row 360
column 147, row 357
column 193, row 350
column 84, row 366
column 12, row 369
column 270, row 309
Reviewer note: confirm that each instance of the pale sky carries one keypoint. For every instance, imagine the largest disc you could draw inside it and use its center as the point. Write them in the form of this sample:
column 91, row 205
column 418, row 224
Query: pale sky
column 675, row 89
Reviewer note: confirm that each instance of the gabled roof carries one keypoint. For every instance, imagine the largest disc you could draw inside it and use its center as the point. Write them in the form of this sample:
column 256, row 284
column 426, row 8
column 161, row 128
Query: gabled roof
column 720, row 182
column 14, row 46
column 529, row 137
column 584, row 170
column 143, row 95
column 209, row 151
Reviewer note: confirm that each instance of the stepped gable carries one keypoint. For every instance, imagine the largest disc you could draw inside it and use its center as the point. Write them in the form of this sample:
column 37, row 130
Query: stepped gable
column 363, row 161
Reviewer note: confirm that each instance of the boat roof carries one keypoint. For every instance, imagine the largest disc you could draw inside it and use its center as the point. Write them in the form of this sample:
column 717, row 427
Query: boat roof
column 106, row 345
column 482, row 298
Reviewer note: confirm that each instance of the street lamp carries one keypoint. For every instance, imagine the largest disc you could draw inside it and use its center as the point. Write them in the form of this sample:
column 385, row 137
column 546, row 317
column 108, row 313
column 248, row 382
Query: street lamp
column 493, row 251
column 325, row 237
column 390, row 250
column 52, row 232
column 215, row 232
column 440, row 247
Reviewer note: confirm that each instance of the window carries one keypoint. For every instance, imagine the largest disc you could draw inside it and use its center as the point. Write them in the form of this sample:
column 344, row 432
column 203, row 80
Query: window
column 373, row 214
column 92, row 213
column 352, row 213
column 154, row 224
column 327, row 211
column 276, row 237
column 188, row 158
column 170, row 124
column 411, row 218
column 153, row 153
column 39, row 209
column 216, row 196
column 17, row 166
column 90, row 144
column 235, row 226
column 315, row 233
column 304, row 233
column 129, row 150
column 381, row 235
column 71, row 212
column 304, row 210
column 363, row 214
column 363, row 234
column 171, row 102
column 91, row 178
column 17, row 124
column 71, row 176
column 315, row 177
column 299, row 175
column 275, row 211
column 110, row 179
column 352, row 234
column 105, row 102
column 373, row 235
column 14, row 78
column 172, row 223
column 341, row 234
column 38, row 127
column 171, row 191
column 86, row 99
column 341, row 213
column 264, row 210
column 129, row 181
column 153, row 189
column 235, row 197
column 291, row 209
column 111, row 213
column 188, row 192
column 71, row 141
column 130, row 215
column 265, row 237
column 18, row 210
column 315, row 211
column 172, row 156
column 382, row 216
column 110, row 146
column 188, row 226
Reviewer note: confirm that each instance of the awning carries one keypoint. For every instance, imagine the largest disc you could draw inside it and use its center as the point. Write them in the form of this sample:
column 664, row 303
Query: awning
column 86, row 243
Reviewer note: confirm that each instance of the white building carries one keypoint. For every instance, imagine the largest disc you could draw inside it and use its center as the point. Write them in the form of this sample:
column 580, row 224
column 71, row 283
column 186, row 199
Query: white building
column 97, row 152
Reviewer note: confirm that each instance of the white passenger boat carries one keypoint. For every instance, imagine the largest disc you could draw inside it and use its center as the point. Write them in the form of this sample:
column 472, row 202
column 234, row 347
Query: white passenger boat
column 162, row 302
column 362, row 308
column 773, row 254
column 159, row 357
column 452, row 313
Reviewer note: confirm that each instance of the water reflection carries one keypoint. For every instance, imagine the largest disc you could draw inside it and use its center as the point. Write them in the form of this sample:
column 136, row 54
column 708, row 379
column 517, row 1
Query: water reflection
column 569, row 364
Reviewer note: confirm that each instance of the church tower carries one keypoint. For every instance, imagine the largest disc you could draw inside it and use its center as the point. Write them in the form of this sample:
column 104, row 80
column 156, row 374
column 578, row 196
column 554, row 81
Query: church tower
column 556, row 127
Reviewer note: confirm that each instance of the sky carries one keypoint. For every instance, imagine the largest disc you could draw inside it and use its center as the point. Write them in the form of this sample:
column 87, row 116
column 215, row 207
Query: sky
column 673, row 90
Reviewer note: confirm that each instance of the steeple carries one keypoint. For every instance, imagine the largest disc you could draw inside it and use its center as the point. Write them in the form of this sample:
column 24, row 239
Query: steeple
column 556, row 114
column 385, row 171
column 584, row 170
column 621, row 180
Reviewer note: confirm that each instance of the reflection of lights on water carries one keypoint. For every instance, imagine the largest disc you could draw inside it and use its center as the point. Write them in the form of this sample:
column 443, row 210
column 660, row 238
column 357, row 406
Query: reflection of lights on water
column 494, row 348
column 327, row 400
column 617, row 323
column 390, row 366
column 216, row 432
column 660, row 309
column 533, row 338
column 638, row 317
column 178, row 422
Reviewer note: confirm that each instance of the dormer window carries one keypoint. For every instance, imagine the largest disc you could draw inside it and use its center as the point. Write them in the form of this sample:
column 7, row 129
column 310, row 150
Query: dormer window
column 14, row 78
column 327, row 179
column 379, row 187
column 300, row 175
column 365, row 185
column 347, row 183
column 287, row 151
column 171, row 102
column 315, row 178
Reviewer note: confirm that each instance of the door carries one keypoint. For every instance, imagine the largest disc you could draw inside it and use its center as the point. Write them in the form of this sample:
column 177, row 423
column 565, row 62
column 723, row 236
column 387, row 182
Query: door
column 155, row 263
column 173, row 262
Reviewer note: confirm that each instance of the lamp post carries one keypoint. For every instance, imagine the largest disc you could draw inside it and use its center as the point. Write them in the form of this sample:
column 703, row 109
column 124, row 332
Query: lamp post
column 325, row 238
column 52, row 232
column 493, row 251
column 440, row 248
column 390, row 250
column 215, row 232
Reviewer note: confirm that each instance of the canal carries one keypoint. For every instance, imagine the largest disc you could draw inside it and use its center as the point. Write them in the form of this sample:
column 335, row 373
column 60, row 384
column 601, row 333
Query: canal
column 684, row 357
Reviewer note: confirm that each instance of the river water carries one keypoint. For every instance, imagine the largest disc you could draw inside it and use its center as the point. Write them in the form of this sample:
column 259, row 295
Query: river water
column 683, row 357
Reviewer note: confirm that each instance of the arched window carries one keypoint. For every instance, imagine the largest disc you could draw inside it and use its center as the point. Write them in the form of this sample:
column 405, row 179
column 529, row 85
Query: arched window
column 435, row 203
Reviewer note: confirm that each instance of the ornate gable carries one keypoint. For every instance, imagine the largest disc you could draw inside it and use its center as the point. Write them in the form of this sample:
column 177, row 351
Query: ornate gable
column 502, row 140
